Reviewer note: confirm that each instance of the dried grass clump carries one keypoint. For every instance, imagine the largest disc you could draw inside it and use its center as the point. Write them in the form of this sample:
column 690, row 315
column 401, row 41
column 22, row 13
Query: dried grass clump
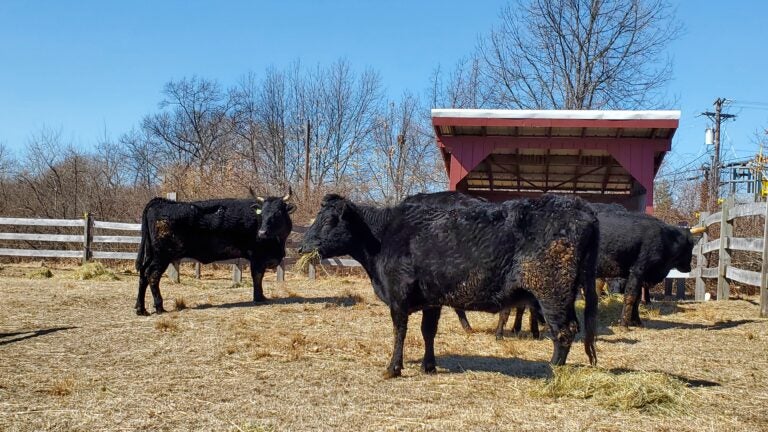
column 306, row 259
column 166, row 324
column 94, row 271
column 653, row 392
column 63, row 387
column 180, row 303
column 41, row 273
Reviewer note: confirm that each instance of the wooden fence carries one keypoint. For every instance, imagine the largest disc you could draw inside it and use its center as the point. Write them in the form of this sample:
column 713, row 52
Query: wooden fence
column 92, row 234
column 725, row 273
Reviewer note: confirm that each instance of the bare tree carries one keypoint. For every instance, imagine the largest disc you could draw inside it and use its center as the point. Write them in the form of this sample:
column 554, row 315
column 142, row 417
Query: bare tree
column 403, row 153
column 577, row 54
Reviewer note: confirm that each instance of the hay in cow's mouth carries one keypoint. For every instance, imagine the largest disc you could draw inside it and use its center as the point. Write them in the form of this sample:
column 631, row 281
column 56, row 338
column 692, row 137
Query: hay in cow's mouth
column 306, row 259
column 653, row 392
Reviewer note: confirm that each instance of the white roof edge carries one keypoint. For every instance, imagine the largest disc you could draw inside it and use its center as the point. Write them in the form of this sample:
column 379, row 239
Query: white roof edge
column 559, row 114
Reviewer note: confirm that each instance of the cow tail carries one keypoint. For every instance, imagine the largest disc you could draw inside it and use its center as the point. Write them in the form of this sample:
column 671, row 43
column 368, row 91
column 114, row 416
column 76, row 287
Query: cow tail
column 590, row 298
column 145, row 247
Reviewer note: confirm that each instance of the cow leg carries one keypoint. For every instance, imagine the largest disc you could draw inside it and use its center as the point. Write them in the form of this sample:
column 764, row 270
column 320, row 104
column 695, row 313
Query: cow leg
column 429, row 320
column 631, row 301
column 635, row 320
column 400, row 324
column 463, row 320
column 533, row 322
column 563, row 326
column 503, row 318
column 154, row 274
column 517, row 327
column 257, row 274
column 646, row 294
column 143, row 283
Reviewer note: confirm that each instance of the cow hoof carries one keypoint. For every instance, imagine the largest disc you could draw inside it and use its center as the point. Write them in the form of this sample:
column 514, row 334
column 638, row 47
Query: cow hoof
column 499, row 337
column 142, row 312
column 429, row 368
column 391, row 373
column 468, row 330
column 260, row 300
column 160, row 311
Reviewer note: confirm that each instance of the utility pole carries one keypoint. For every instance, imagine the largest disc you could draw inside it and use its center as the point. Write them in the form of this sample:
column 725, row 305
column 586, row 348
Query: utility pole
column 714, row 175
column 306, row 162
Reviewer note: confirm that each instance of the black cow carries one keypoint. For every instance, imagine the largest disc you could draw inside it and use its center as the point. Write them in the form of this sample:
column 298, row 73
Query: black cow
column 484, row 257
column 638, row 248
column 447, row 199
column 207, row 231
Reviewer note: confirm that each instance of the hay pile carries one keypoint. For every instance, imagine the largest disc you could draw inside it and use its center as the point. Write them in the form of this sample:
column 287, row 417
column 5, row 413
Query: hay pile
column 302, row 264
column 40, row 273
column 94, row 271
column 608, row 309
column 653, row 392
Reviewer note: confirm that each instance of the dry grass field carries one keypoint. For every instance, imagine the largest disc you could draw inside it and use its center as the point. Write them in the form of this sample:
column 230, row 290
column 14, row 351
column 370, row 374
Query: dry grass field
column 74, row 357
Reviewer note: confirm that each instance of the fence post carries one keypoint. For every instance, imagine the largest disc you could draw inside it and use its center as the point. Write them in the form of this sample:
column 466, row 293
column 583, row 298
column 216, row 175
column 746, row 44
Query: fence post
column 311, row 272
column 280, row 272
column 724, row 254
column 237, row 272
column 87, row 236
column 764, row 268
column 197, row 269
column 701, row 262
column 173, row 269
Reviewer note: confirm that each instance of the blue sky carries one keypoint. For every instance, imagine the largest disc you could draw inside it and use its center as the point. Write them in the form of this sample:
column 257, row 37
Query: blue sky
column 87, row 66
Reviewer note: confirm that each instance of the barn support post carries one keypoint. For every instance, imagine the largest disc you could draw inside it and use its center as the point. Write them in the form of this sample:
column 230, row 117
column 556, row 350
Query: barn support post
column 237, row 272
column 724, row 254
column 173, row 269
column 87, row 237
column 764, row 268
column 701, row 262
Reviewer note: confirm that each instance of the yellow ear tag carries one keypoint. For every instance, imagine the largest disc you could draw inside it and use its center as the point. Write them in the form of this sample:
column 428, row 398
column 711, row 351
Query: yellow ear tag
column 258, row 211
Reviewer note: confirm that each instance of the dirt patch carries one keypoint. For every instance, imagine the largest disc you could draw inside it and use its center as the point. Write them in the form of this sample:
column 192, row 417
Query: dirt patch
column 74, row 356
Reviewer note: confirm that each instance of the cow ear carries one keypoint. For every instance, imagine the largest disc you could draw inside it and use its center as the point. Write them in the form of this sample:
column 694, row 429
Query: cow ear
column 256, row 208
column 291, row 207
column 346, row 212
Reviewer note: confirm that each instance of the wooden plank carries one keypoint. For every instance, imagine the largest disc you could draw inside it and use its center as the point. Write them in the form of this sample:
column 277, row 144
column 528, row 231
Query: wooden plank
column 116, row 239
column 42, row 222
column 117, row 226
column 711, row 246
column 300, row 229
column 66, row 238
column 114, row 255
column 752, row 244
column 674, row 274
column 340, row 262
column 700, row 287
column 750, row 209
column 46, row 253
column 764, row 269
column 723, row 254
column 709, row 272
column 743, row 276
column 713, row 218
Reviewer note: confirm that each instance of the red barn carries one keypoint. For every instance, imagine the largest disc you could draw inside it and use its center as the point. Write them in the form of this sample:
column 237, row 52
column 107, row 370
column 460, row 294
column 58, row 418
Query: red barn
column 602, row 156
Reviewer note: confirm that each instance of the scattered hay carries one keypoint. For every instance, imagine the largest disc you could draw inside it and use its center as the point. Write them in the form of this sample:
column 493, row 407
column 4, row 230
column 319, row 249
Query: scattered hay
column 609, row 309
column 653, row 392
column 40, row 273
column 94, row 271
column 306, row 259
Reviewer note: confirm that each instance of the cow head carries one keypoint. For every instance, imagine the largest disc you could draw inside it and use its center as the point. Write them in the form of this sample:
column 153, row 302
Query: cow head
column 681, row 248
column 331, row 233
column 275, row 215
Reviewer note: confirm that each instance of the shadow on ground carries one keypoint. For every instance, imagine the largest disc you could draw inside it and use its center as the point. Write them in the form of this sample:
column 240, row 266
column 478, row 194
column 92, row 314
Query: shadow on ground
column 338, row 301
column 9, row 338
column 667, row 325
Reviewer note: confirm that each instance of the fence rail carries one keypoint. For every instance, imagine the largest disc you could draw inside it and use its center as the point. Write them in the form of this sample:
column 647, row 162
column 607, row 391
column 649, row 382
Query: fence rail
column 88, row 239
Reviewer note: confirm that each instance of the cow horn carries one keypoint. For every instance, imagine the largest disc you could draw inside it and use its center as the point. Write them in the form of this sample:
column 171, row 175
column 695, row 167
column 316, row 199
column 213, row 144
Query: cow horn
column 287, row 197
column 698, row 230
column 253, row 194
